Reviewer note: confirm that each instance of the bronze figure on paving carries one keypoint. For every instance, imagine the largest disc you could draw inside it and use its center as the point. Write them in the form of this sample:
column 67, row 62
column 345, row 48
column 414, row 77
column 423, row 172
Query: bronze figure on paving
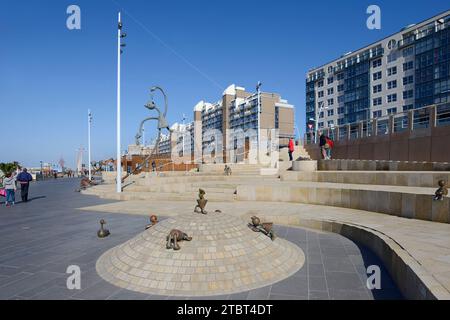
column 103, row 233
column 201, row 202
column 227, row 170
column 174, row 237
column 264, row 227
column 153, row 221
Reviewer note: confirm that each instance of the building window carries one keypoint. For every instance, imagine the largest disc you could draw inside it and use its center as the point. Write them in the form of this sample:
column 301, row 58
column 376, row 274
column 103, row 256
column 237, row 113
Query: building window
column 408, row 65
column 392, row 84
column 330, row 80
column 392, row 57
column 392, row 98
column 408, row 80
column 377, row 88
column 330, row 123
column 340, row 121
column 408, row 107
column 340, row 99
column 330, row 112
column 330, row 91
column 320, row 94
column 392, row 71
column 320, row 84
column 377, row 75
column 376, row 63
column 377, row 114
column 392, row 110
column 340, row 88
column 340, row 110
column 320, row 124
column 340, row 76
column 408, row 51
column 330, row 102
column 321, row 114
column 408, row 94
column 377, row 101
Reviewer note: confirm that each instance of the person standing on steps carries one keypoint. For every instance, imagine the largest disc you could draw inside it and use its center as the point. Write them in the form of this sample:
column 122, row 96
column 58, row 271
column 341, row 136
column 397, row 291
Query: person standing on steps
column 24, row 179
column 322, row 144
column 9, row 183
column 291, row 149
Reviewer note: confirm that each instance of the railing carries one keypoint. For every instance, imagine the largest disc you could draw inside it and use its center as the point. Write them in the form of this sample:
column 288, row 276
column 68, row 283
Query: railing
column 415, row 119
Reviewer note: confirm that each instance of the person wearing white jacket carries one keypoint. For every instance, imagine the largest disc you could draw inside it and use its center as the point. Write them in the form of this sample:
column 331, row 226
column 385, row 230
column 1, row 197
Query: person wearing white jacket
column 9, row 183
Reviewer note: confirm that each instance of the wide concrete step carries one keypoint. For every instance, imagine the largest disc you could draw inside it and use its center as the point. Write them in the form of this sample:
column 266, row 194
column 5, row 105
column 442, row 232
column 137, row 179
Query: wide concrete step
column 156, row 196
column 428, row 179
column 409, row 202
column 381, row 165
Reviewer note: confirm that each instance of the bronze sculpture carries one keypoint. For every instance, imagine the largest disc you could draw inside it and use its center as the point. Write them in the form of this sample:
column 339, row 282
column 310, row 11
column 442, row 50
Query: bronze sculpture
column 201, row 202
column 153, row 221
column 227, row 170
column 174, row 236
column 442, row 191
column 265, row 227
column 102, row 233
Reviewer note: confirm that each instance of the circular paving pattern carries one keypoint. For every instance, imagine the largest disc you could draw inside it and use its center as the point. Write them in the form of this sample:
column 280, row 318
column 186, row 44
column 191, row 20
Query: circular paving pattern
column 224, row 257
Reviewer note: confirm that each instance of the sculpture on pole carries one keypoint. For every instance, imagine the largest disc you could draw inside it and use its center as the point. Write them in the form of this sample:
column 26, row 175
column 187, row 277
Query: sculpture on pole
column 162, row 124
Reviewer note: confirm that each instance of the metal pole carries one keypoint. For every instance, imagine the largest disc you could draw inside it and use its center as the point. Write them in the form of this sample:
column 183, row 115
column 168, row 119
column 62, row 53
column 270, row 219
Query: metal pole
column 89, row 142
column 258, row 88
column 118, row 155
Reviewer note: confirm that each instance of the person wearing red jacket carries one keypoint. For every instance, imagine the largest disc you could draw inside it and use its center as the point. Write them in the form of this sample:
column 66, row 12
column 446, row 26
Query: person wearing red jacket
column 291, row 148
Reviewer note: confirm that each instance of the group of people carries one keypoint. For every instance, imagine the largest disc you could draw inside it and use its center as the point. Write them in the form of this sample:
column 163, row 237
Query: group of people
column 10, row 186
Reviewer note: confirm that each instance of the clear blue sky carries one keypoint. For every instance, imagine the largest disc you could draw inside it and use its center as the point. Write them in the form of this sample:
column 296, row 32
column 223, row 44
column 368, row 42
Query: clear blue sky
column 50, row 76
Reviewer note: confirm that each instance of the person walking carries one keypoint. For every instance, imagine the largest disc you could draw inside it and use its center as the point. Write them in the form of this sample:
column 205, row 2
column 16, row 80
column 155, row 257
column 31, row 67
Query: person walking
column 24, row 179
column 291, row 149
column 153, row 165
column 9, row 183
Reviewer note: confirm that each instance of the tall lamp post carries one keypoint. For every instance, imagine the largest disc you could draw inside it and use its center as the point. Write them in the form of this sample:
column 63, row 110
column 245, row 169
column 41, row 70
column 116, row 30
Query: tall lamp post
column 89, row 143
column 316, row 120
column 258, row 90
column 120, row 35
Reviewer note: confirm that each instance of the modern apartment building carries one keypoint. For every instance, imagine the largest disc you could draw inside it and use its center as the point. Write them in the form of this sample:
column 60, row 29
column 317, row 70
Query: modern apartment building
column 407, row 70
column 238, row 109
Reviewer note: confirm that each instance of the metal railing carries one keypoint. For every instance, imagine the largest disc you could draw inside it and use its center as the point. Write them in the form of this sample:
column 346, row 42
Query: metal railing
column 416, row 119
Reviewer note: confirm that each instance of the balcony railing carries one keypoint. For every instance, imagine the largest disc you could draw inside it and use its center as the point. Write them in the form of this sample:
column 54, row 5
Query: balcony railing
column 416, row 119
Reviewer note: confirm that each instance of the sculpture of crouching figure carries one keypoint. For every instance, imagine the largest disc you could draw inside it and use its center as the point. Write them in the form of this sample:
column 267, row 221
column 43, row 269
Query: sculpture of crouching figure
column 201, row 202
column 265, row 227
column 227, row 170
column 173, row 238
column 442, row 191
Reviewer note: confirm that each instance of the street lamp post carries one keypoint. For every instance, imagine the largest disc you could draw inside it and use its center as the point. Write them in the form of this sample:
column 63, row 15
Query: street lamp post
column 258, row 89
column 120, row 35
column 316, row 120
column 89, row 143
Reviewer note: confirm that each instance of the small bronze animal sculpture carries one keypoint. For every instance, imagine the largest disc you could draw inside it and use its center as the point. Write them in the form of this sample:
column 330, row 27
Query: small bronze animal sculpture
column 227, row 170
column 265, row 227
column 442, row 191
column 103, row 233
column 153, row 221
column 175, row 236
column 201, row 202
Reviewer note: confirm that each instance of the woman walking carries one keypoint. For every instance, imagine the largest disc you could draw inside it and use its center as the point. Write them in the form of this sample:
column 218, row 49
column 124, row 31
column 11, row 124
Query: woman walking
column 9, row 183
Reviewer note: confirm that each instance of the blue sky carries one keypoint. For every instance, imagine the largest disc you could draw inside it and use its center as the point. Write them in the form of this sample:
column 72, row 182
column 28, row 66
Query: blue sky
column 50, row 76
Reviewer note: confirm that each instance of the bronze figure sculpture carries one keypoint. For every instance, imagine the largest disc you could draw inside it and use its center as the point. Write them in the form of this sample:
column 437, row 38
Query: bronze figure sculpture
column 265, row 227
column 201, row 202
column 442, row 191
column 153, row 221
column 227, row 170
column 174, row 237
column 103, row 233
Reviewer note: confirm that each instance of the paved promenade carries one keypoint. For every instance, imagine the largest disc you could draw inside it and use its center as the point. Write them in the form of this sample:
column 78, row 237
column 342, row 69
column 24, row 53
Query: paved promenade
column 40, row 239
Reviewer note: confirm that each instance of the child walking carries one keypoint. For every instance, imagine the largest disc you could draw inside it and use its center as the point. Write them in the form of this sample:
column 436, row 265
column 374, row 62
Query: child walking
column 9, row 183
